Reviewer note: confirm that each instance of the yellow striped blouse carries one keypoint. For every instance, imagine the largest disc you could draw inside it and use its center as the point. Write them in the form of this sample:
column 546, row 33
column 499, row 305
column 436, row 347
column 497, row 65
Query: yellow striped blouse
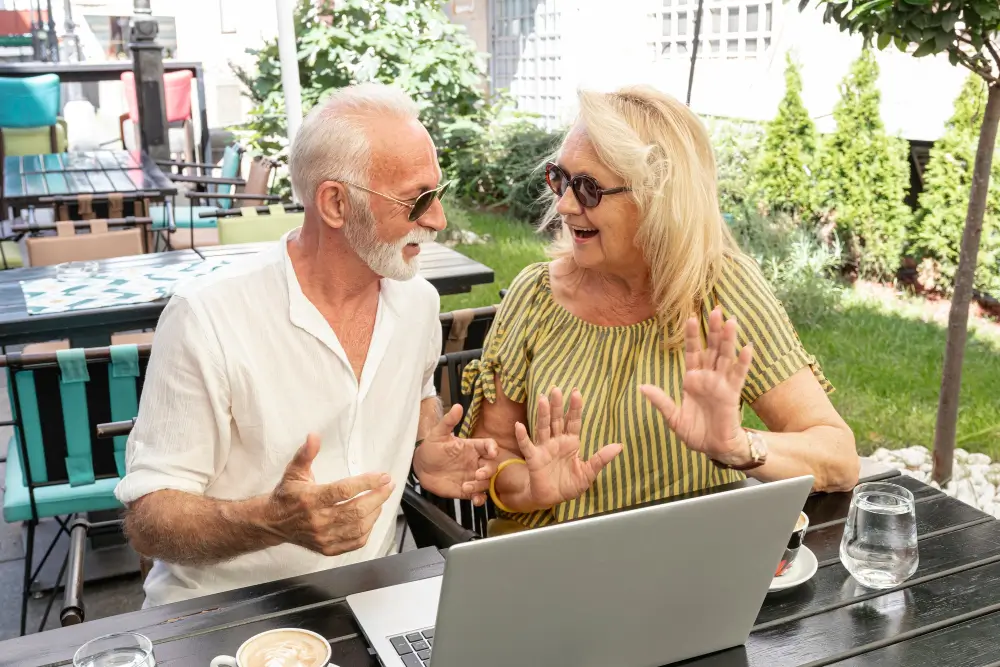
column 536, row 344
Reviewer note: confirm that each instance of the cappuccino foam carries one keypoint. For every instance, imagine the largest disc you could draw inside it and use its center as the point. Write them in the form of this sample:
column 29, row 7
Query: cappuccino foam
column 801, row 523
column 286, row 648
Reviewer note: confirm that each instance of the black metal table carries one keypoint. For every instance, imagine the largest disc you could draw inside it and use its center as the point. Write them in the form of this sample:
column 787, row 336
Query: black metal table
column 948, row 613
column 111, row 71
column 33, row 180
column 449, row 271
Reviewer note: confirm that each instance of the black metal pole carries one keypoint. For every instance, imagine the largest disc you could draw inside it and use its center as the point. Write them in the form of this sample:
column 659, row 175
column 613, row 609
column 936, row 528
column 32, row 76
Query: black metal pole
column 147, row 64
column 694, row 49
column 52, row 39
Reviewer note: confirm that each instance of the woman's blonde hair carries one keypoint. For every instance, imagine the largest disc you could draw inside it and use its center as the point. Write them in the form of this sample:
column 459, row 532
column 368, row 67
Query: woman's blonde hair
column 662, row 151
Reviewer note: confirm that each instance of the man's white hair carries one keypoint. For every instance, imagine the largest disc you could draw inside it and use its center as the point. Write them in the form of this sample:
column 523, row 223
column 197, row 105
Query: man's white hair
column 331, row 143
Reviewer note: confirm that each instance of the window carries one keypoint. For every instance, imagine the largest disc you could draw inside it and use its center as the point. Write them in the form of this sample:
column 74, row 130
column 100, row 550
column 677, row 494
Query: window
column 227, row 16
column 732, row 28
column 525, row 48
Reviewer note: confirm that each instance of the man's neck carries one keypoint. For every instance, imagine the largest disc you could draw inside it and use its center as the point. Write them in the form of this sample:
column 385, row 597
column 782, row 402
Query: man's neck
column 330, row 273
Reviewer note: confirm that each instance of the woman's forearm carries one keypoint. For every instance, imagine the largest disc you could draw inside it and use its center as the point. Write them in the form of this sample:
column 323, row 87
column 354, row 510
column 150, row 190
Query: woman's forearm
column 826, row 452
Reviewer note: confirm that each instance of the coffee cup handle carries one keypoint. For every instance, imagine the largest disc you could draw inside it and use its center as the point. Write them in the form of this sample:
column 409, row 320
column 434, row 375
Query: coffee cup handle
column 224, row 661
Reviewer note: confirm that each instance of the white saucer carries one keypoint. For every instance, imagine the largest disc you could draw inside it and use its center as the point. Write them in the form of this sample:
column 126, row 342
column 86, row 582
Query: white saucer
column 801, row 571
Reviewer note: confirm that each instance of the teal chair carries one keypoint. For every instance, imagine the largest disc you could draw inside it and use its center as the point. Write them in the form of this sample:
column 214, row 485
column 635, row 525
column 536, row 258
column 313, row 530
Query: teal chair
column 29, row 103
column 55, row 465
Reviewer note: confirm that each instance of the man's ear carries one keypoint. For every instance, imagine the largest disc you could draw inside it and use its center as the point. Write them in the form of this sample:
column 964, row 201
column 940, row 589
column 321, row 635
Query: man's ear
column 331, row 202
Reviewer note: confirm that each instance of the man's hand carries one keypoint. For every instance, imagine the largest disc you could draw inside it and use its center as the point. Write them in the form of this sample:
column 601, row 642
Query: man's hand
column 453, row 467
column 327, row 518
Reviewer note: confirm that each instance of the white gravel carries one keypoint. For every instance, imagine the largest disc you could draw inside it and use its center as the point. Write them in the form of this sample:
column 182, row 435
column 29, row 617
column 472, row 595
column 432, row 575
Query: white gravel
column 974, row 478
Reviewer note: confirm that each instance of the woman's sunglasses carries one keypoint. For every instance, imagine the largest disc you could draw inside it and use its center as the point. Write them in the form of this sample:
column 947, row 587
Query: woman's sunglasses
column 586, row 188
column 417, row 206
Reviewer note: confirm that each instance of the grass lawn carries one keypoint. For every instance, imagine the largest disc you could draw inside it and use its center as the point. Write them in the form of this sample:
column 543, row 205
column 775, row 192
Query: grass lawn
column 884, row 362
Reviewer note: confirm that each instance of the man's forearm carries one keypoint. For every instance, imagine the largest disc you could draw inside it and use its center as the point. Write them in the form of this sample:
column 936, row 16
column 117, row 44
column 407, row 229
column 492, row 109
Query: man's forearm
column 187, row 529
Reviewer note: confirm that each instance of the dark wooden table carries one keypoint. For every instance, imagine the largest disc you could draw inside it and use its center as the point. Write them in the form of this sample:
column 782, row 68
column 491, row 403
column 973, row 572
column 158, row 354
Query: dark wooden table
column 31, row 179
column 945, row 615
column 112, row 71
column 449, row 271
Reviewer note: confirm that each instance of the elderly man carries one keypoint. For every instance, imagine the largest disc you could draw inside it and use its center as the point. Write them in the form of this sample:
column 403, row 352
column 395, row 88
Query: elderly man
column 326, row 338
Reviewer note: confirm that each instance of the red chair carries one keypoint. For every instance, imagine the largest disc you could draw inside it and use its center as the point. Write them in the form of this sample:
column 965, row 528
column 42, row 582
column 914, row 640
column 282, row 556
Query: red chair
column 177, row 95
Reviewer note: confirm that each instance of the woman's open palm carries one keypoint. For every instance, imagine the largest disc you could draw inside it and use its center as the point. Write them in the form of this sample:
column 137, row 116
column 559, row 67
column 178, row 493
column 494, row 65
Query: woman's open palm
column 708, row 418
column 556, row 471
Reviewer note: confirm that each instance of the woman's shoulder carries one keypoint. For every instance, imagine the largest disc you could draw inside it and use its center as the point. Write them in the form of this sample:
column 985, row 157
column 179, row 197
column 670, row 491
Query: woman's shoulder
column 741, row 277
column 530, row 282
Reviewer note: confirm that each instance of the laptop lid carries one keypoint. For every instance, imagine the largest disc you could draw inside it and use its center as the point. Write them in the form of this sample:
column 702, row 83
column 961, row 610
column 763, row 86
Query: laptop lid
column 641, row 588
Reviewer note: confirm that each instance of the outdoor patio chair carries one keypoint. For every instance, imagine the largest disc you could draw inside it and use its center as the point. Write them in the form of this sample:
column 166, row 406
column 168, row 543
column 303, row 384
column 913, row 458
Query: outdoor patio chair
column 177, row 100
column 68, row 246
column 249, row 226
column 454, row 519
column 29, row 116
column 55, row 469
column 195, row 230
column 461, row 330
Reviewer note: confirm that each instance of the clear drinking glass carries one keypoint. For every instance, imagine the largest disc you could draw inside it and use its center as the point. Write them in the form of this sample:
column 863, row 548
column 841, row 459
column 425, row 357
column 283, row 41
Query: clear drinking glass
column 879, row 547
column 77, row 270
column 124, row 649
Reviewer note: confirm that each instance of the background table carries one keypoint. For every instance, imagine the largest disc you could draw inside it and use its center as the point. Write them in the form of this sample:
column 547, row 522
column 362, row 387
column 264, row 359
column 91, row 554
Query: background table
column 449, row 271
column 28, row 179
column 112, row 71
column 948, row 613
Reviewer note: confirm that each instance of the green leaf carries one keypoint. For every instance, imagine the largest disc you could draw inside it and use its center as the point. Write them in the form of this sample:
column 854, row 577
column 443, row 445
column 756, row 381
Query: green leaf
column 953, row 57
column 870, row 5
column 918, row 3
column 948, row 21
column 900, row 43
column 883, row 41
column 925, row 49
column 943, row 40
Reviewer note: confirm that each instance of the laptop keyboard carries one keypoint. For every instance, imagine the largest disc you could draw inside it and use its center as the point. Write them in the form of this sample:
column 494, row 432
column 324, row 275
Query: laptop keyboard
column 414, row 648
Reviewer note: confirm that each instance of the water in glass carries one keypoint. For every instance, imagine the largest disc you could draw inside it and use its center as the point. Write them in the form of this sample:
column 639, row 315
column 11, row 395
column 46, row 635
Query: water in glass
column 124, row 649
column 879, row 547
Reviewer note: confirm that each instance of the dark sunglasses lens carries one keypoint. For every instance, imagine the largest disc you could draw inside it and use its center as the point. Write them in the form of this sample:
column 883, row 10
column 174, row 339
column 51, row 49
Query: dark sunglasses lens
column 556, row 179
column 421, row 204
column 587, row 191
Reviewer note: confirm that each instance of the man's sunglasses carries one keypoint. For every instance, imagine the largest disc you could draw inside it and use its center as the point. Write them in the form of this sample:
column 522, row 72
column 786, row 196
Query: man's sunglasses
column 417, row 206
column 586, row 188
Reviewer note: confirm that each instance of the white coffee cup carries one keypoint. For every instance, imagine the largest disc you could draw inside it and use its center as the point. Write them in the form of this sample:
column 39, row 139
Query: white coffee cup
column 238, row 661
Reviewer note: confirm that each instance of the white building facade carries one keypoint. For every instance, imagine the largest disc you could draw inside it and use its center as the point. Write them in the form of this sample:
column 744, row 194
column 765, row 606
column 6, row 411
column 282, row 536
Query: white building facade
column 544, row 50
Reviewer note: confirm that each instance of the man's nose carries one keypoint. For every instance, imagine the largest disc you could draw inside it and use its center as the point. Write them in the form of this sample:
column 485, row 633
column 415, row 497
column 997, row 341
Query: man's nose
column 434, row 218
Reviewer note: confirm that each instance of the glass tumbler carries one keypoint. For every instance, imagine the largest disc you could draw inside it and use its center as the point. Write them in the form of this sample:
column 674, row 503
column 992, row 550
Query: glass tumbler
column 879, row 547
column 125, row 649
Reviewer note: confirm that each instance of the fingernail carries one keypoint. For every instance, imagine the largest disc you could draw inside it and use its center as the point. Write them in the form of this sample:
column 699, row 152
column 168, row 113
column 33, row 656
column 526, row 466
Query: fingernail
column 384, row 479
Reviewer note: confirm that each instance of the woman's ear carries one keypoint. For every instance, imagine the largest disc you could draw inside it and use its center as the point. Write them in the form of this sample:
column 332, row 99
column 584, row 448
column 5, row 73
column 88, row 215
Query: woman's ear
column 331, row 202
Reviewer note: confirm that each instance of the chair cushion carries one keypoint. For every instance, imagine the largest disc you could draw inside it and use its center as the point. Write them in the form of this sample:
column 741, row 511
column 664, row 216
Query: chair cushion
column 11, row 255
column 56, row 500
column 33, row 140
column 257, row 228
column 183, row 215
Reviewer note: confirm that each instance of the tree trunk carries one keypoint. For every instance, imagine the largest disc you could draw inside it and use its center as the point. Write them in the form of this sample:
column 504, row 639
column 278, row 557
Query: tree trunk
column 958, row 318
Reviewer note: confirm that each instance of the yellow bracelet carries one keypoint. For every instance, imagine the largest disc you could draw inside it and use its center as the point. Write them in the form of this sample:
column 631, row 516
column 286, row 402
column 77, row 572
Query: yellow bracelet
column 493, row 484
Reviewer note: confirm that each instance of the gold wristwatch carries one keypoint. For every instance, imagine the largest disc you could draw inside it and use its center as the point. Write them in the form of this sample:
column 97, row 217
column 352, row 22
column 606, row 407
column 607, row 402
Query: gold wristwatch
column 758, row 453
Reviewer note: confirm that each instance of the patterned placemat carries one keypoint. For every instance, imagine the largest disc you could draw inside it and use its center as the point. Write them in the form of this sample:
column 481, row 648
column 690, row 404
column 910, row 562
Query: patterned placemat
column 123, row 287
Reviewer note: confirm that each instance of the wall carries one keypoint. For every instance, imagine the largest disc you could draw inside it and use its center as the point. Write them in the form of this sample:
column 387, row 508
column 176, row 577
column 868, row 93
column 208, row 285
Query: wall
column 606, row 45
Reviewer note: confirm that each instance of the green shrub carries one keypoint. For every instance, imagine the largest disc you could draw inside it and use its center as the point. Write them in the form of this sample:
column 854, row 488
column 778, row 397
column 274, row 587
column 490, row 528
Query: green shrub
column 500, row 168
column 800, row 269
column 784, row 175
column 736, row 144
column 945, row 199
column 408, row 43
column 863, row 176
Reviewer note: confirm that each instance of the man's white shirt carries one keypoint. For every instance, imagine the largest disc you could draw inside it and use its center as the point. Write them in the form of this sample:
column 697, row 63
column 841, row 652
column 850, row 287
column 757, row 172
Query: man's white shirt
column 243, row 367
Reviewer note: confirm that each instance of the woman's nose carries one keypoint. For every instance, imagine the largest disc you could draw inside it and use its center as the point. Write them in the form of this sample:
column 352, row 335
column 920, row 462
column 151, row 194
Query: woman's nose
column 568, row 205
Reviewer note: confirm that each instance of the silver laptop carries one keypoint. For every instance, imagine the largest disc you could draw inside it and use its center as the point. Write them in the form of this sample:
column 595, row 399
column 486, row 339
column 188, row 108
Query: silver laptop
column 640, row 588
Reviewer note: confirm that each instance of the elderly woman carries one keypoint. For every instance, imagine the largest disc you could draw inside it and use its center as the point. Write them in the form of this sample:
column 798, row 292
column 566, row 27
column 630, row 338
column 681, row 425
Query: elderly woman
column 648, row 330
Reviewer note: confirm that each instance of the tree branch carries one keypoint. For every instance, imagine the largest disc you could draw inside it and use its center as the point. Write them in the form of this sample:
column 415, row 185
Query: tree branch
column 968, row 63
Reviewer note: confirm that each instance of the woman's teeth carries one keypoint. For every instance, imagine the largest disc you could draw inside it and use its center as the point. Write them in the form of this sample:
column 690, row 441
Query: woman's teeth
column 584, row 233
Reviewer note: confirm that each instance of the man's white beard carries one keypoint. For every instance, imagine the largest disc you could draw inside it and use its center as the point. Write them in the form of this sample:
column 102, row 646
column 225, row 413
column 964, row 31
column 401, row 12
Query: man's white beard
column 385, row 259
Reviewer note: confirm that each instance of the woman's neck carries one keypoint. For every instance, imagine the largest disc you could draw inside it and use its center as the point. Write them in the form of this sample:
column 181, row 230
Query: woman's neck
column 604, row 298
